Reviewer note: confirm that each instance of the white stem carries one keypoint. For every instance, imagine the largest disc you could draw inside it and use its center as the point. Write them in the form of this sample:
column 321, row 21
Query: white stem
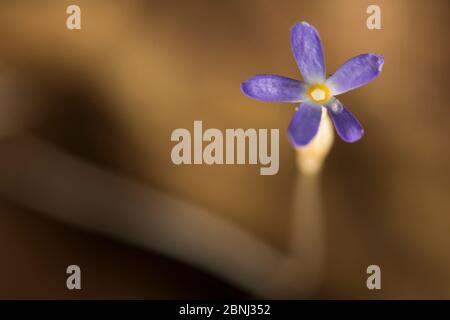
column 310, row 158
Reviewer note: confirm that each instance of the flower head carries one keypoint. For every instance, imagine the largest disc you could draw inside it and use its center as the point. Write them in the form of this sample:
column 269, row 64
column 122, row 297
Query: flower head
column 316, row 92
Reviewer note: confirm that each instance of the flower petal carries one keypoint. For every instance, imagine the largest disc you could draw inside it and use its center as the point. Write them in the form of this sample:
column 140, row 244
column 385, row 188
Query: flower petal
column 267, row 87
column 347, row 126
column 308, row 52
column 355, row 72
column 304, row 124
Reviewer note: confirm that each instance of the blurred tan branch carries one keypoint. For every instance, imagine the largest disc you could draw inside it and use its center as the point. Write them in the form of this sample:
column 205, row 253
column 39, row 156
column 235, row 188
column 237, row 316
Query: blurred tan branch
column 45, row 178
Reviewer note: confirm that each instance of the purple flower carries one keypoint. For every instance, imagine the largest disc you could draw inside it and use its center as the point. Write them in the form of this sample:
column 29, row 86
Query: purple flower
column 316, row 90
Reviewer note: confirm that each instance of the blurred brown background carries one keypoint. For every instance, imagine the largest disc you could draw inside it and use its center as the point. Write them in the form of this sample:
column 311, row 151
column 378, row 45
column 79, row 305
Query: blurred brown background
column 113, row 92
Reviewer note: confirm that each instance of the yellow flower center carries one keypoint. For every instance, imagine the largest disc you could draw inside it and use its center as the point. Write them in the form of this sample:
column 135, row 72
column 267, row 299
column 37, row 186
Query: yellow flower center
column 318, row 92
